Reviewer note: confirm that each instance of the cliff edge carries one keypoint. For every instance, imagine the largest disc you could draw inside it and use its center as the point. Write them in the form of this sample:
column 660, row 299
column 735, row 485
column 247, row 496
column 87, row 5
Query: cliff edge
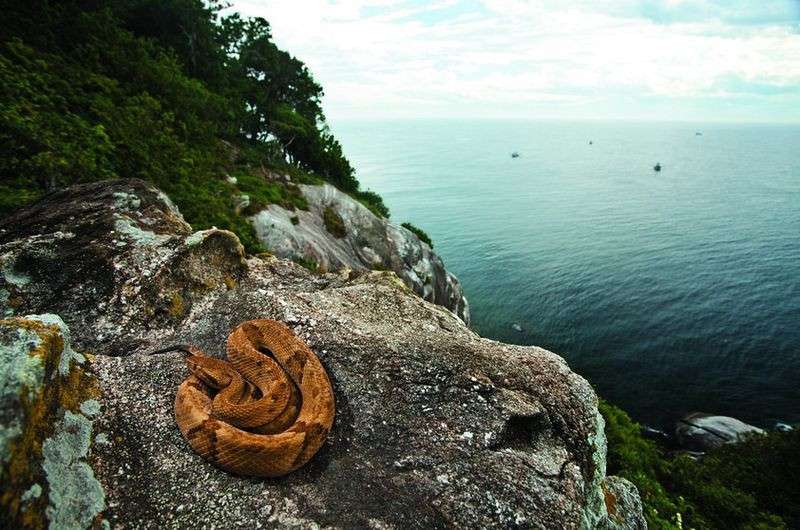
column 435, row 426
column 338, row 232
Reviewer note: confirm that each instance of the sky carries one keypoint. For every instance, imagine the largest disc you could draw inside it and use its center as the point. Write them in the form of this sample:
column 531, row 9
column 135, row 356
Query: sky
column 700, row 60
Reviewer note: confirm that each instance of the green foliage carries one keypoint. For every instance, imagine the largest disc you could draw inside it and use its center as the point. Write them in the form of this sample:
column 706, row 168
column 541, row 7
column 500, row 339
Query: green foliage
column 170, row 91
column 211, row 203
column 639, row 460
column 749, row 485
column 44, row 143
column 333, row 222
column 308, row 263
column 262, row 192
column 373, row 201
column 420, row 233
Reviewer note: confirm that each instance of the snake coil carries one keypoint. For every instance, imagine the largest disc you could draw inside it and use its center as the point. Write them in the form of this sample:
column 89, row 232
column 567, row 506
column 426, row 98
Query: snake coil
column 265, row 411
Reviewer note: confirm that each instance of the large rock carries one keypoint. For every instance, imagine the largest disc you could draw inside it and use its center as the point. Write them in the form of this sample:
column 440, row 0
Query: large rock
column 47, row 405
column 116, row 260
column 435, row 426
column 367, row 242
column 699, row 431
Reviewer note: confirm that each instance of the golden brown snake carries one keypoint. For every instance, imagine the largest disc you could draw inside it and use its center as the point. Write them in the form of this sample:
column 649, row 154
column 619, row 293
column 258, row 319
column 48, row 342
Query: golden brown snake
column 265, row 411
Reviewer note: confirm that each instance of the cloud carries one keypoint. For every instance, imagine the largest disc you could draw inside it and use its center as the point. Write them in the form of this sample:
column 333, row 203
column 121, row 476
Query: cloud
column 468, row 58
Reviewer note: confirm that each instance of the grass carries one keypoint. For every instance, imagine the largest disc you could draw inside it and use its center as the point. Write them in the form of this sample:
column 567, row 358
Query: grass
column 308, row 263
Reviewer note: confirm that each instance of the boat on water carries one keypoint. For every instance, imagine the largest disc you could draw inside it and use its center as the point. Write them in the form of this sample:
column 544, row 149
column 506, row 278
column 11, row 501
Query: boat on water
column 698, row 133
column 515, row 154
column 657, row 167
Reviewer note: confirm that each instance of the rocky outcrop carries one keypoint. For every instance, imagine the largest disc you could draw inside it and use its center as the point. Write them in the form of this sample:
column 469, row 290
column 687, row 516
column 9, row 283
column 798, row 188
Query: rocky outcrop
column 701, row 432
column 338, row 232
column 48, row 400
column 435, row 426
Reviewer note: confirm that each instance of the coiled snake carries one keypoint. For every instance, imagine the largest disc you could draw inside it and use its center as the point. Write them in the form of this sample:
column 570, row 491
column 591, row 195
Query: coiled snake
column 265, row 411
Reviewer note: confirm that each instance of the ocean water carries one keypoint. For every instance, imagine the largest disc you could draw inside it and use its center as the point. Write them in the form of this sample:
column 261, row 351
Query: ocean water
column 670, row 292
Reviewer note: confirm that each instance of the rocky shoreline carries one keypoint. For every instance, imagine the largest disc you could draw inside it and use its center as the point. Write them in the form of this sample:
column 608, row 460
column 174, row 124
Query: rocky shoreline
column 436, row 427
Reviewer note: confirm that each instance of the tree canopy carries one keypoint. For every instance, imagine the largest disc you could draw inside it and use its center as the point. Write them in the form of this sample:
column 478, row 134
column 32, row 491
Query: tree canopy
column 170, row 91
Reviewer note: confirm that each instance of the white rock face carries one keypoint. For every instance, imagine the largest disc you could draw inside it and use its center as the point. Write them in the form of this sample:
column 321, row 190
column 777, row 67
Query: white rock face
column 370, row 243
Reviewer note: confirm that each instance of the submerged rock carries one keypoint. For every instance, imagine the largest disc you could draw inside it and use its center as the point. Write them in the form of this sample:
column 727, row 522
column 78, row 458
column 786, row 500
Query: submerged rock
column 338, row 232
column 702, row 432
column 435, row 426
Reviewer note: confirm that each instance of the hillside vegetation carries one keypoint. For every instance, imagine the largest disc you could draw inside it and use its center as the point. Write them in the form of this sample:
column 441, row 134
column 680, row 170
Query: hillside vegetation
column 205, row 106
column 750, row 485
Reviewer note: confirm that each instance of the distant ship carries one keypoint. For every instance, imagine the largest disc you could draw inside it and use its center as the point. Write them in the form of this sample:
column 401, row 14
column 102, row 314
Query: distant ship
column 515, row 155
column 657, row 167
column 698, row 133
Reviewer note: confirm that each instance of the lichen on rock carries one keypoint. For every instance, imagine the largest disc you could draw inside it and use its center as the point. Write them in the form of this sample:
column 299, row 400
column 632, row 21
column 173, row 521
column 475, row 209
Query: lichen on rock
column 46, row 393
column 21, row 376
column 68, row 355
column 126, row 201
column 75, row 495
column 127, row 227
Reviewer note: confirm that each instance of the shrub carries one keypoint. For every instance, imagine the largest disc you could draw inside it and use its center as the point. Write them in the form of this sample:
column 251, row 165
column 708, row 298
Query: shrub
column 373, row 201
column 419, row 232
column 639, row 460
column 334, row 222
column 308, row 263
column 751, row 484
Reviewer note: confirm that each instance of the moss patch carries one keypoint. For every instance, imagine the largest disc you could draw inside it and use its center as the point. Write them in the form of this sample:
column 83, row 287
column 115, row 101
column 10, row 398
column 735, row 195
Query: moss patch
column 176, row 308
column 308, row 263
column 334, row 223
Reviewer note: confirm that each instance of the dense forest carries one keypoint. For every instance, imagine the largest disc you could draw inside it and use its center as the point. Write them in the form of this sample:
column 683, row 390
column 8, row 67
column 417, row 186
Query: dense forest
column 201, row 103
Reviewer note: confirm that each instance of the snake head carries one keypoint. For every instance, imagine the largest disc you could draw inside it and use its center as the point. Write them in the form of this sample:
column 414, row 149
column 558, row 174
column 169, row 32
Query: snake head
column 213, row 372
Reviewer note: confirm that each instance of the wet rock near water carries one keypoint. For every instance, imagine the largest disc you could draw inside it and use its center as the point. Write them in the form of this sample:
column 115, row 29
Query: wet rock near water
column 435, row 426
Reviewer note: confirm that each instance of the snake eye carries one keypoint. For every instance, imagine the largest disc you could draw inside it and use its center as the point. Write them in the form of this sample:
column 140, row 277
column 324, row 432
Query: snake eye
column 202, row 372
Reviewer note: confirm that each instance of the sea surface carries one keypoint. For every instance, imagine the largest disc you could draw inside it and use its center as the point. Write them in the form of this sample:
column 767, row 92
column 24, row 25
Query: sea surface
column 670, row 291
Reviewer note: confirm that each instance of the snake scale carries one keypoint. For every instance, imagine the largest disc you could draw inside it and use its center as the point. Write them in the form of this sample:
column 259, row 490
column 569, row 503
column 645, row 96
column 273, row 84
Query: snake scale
column 265, row 411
